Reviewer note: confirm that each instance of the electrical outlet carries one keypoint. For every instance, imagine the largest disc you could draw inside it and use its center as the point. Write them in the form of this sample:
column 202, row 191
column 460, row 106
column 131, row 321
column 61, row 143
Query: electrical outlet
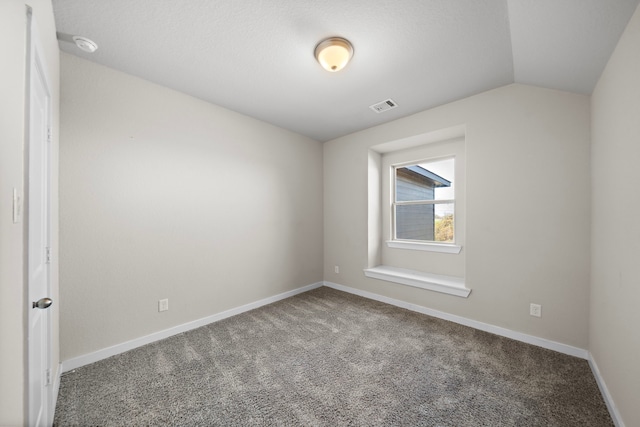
column 336, row 269
column 535, row 310
column 163, row 305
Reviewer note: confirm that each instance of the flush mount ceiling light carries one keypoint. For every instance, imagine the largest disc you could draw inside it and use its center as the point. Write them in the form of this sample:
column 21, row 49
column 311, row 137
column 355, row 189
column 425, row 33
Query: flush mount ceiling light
column 334, row 53
column 85, row 44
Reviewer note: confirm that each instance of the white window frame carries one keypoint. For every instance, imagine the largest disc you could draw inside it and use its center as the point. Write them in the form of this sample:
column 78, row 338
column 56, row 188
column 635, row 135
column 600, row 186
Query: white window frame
column 424, row 245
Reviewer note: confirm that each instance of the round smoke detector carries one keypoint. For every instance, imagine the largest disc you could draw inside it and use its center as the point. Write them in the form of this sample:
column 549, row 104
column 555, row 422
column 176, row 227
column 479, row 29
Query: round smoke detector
column 85, row 44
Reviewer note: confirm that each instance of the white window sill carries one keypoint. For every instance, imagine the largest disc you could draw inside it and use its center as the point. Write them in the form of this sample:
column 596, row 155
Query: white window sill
column 433, row 282
column 446, row 248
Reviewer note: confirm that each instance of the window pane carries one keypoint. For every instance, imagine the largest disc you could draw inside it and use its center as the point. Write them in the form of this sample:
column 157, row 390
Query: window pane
column 443, row 223
column 430, row 222
column 425, row 181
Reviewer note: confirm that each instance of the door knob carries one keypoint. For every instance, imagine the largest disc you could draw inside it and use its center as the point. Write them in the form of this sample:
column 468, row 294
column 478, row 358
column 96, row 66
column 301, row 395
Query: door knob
column 42, row 303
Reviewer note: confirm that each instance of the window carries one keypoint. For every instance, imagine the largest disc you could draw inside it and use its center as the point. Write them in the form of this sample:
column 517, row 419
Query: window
column 417, row 206
column 423, row 206
column 423, row 202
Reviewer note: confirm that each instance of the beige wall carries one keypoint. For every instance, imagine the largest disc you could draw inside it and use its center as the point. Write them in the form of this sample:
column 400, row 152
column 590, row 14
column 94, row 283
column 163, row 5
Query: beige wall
column 166, row 196
column 527, row 209
column 615, row 270
column 13, row 297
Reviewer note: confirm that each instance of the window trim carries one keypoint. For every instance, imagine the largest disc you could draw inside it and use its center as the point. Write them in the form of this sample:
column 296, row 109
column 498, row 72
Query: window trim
column 422, row 245
column 434, row 282
column 419, row 245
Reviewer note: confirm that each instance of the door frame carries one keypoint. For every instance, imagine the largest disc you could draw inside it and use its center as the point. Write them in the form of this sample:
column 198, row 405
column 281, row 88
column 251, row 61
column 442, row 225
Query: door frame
column 36, row 67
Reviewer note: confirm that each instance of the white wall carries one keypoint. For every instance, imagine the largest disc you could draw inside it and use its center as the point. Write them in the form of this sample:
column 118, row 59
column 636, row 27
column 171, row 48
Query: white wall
column 527, row 209
column 615, row 271
column 166, row 196
column 13, row 297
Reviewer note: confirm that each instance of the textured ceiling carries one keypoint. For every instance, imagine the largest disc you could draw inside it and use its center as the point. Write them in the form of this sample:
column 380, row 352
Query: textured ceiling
column 256, row 56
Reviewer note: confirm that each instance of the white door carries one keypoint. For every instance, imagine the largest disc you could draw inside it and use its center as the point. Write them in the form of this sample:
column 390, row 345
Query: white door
column 39, row 347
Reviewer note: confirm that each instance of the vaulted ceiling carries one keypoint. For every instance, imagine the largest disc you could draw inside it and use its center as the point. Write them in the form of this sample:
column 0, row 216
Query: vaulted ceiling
column 256, row 56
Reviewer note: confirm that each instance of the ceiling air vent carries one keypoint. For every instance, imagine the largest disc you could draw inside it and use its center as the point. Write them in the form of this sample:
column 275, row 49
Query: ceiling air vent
column 383, row 106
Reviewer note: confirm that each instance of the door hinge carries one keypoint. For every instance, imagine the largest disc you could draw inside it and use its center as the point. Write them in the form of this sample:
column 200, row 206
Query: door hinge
column 48, row 134
column 48, row 255
column 47, row 377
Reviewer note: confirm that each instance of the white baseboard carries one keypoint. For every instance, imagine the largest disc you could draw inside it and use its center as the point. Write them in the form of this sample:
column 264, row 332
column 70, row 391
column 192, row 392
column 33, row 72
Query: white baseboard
column 518, row 336
column 611, row 406
column 85, row 359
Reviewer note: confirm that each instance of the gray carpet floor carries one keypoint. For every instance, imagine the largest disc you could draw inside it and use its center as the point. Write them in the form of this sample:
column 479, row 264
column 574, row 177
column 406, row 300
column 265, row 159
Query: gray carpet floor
column 328, row 358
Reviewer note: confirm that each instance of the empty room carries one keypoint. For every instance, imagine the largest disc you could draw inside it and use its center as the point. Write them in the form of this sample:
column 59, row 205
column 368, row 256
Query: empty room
column 299, row 213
